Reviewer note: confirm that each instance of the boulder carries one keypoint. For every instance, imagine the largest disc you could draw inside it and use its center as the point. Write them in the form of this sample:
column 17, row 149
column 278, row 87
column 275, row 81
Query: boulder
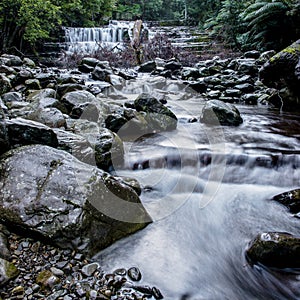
column 101, row 73
column 290, row 199
column 281, row 71
column 48, row 193
column 158, row 116
column 11, row 60
column 275, row 249
column 77, row 100
column 147, row 67
column 216, row 112
column 49, row 116
column 25, row 132
column 76, row 145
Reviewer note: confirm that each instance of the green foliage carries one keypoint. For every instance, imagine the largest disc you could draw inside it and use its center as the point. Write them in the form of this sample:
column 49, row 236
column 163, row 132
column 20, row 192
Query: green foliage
column 23, row 23
column 257, row 24
column 269, row 24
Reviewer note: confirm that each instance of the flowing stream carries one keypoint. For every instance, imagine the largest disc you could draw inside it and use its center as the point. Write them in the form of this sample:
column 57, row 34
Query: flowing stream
column 208, row 190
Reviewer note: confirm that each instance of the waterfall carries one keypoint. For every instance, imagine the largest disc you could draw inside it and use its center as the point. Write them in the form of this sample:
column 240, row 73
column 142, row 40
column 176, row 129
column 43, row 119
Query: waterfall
column 88, row 39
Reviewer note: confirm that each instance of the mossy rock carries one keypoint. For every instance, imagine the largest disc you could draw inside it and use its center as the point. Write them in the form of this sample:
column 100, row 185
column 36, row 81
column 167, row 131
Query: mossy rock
column 275, row 249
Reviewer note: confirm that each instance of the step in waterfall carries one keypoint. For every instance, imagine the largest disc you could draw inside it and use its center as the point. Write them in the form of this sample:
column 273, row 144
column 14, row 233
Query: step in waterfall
column 89, row 39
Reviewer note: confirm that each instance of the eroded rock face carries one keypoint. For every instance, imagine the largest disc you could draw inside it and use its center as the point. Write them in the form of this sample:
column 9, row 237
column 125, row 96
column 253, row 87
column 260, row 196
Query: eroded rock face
column 216, row 112
column 281, row 71
column 49, row 193
column 275, row 249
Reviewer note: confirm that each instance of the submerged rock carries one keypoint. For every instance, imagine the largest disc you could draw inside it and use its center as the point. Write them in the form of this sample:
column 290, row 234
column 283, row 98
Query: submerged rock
column 49, row 193
column 275, row 249
column 290, row 199
column 217, row 112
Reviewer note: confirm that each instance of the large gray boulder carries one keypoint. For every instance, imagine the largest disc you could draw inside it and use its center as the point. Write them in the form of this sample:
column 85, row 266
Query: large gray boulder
column 49, row 193
column 282, row 71
column 216, row 112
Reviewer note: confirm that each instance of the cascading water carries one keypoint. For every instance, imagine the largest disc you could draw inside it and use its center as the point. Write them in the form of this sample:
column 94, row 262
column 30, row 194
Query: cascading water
column 89, row 39
column 208, row 191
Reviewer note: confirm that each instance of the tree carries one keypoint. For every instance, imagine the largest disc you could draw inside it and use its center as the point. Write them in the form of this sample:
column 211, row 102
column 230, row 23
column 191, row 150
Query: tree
column 271, row 24
column 23, row 23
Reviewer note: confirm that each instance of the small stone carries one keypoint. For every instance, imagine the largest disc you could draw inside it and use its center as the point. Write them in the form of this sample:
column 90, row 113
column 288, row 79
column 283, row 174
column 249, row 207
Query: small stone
column 19, row 290
column 121, row 272
column 47, row 279
column 78, row 256
column 56, row 271
column 93, row 294
column 29, row 291
column 157, row 293
column 90, row 269
column 134, row 274
column 35, row 288
column 108, row 293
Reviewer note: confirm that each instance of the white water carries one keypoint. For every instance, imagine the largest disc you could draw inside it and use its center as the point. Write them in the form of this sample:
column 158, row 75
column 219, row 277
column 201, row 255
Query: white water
column 208, row 191
column 89, row 39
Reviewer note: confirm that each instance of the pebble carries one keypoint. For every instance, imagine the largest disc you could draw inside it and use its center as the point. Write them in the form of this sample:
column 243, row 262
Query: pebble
column 134, row 274
column 50, row 273
column 90, row 269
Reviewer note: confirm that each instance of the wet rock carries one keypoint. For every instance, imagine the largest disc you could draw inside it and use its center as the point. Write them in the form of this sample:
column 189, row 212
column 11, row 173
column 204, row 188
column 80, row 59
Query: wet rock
column 46, row 79
column 76, row 145
column 41, row 94
column 158, row 115
column 250, row 98
column 147, row 67
column 217, row 112
column 157, row 293
column 90, row 61
column 63, row 89
column 173, row 65
column 33, row 84
column 5, row 84
column 90, row 269
column 109, row 150
column 198, row 86
column 46, row 279
column 25, row 132
column 247, row 66
column 12, row 96
column 275, row 249
column 189, row 73
column 101, row 73
column 50, row 116
column 8, row 271
column 280, row 72
column 290, row 199
column 252, row 54
column 77, row 100
column 65, row 201
column 134, row 274
column 4, row 139
column 29, row 62
column 11, row 60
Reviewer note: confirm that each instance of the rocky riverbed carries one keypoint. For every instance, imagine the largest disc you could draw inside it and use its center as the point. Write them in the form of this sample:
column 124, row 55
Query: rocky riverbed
column 61, row 139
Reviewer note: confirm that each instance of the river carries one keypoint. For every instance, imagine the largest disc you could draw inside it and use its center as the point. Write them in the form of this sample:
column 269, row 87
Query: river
column 208, row 190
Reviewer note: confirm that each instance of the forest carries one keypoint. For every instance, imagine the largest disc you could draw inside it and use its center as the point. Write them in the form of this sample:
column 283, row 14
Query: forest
column 251, row 24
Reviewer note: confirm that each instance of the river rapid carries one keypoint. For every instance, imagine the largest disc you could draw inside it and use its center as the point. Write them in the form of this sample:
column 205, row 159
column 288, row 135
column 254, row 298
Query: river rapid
column 208, row 191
